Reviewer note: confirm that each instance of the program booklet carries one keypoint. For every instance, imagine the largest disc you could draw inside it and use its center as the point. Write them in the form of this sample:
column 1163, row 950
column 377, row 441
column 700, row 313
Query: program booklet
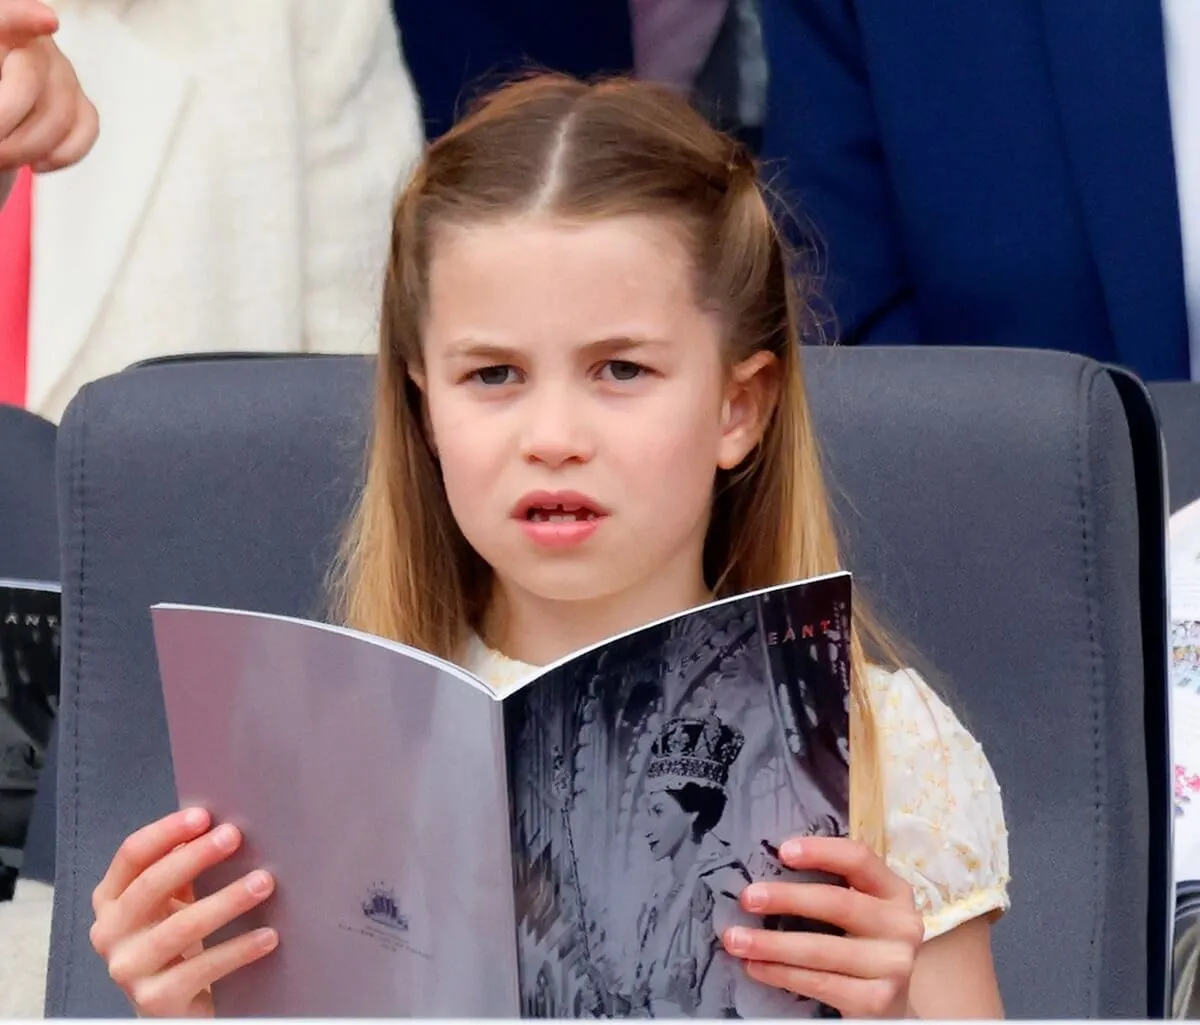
column 30, row 634
column 572, row 846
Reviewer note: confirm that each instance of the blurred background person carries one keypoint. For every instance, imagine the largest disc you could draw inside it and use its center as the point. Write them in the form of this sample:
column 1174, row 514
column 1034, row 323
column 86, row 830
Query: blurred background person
column 458, row 49
column 998, row 173
column 710, row 51
column 238, row 197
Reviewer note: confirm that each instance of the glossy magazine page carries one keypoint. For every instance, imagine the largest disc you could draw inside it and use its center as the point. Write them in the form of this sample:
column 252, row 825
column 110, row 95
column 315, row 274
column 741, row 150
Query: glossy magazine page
column 368, row 778
column 653, row 778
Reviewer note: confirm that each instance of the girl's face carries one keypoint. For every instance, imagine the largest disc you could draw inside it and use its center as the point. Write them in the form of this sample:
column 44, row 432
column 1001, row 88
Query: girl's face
column 580, row 406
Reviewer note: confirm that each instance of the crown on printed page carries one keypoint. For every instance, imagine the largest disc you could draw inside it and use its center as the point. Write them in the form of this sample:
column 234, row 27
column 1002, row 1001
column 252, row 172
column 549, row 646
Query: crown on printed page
column 382, row 907
column 697, row 749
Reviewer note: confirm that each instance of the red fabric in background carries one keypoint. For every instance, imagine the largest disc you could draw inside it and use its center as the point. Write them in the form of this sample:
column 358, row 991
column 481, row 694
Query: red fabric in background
column 16, row 220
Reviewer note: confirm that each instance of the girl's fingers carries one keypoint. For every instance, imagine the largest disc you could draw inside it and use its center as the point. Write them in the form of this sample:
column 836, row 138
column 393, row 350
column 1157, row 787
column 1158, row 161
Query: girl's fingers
column 182, row 934
column 179, row 869
column 859, row 914
column 145, row 847
column 842, row 955
column 853, row 861
column 146, row 896
column 854, row 998
column 173, row 993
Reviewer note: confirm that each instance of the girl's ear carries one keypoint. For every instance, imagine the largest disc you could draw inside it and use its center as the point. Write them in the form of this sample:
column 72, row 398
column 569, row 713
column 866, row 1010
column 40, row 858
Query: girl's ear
column 750, row 398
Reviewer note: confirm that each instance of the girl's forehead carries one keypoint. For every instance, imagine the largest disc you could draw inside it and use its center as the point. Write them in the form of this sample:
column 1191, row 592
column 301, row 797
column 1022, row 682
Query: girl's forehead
column 531, row 279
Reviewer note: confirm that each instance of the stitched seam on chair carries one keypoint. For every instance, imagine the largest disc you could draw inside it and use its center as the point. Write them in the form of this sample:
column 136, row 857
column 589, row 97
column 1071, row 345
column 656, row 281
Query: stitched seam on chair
column 1089, row 378
column 79, row 485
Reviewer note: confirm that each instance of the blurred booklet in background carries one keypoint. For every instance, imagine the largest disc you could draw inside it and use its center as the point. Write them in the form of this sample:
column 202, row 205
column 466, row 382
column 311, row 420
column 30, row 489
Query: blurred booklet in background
column 570, row 848
column 1184, row 572
column 30, row 617
column 1184, row 575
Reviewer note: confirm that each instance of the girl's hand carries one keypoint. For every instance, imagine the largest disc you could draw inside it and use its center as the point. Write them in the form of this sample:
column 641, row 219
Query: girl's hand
column 149, row 928
column 45, row 119
column 863, row 974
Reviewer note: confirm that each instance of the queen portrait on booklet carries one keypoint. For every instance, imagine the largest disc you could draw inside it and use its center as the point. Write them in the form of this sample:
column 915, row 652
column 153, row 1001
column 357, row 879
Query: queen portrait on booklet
column 678, row 971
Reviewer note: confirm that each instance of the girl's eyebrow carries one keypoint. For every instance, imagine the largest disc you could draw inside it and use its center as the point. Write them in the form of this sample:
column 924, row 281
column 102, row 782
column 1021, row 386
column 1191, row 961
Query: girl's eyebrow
column 471, row 349
column 622, row 345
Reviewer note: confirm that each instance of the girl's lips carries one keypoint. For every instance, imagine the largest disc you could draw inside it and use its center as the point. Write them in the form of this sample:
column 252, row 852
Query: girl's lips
column 561, row 533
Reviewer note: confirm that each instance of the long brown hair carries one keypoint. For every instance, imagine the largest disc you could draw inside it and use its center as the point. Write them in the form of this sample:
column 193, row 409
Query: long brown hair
column 554, row 145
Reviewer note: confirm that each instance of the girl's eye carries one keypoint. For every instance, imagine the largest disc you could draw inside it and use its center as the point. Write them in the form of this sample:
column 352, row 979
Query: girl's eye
column 623, row 370
column 497, row 375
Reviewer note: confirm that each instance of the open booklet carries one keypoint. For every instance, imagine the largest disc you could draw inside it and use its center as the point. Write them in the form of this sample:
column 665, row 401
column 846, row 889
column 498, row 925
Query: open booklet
column 30, row 613
column 572, row 847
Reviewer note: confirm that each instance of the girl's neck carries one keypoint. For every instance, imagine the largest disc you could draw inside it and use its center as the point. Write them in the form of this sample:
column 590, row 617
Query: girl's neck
column 538, row 631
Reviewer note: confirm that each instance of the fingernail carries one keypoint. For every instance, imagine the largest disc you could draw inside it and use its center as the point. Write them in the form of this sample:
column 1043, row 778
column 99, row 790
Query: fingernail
column 792, row 850
column 225, row 837
column 195, row 818
column 737, row 940
column 258, row 883
column 754, row 897
column 266, row 939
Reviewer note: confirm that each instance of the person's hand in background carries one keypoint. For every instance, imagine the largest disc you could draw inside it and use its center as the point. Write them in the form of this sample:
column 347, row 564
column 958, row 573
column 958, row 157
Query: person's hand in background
column 46, row 121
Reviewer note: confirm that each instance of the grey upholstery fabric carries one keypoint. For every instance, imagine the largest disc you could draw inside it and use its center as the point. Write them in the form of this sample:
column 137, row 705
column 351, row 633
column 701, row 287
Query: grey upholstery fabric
column 1178, row 405
column 29, row 538
column 989, row 508
column 29, row 551
column 988, row 497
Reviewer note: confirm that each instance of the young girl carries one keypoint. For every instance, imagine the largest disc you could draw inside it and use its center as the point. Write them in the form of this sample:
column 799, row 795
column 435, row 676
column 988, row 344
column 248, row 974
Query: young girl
column 590, row 415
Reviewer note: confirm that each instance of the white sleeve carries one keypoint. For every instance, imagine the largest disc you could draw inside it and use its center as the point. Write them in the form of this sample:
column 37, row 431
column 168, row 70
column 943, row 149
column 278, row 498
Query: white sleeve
column 945, row 827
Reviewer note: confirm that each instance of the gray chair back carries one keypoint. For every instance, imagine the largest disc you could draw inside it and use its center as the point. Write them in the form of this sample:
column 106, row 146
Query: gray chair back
column 28, row 514
column 989, row 501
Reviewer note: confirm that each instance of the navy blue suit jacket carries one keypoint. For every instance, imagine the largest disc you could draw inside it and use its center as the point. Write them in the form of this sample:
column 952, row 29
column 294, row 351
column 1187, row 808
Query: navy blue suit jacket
column 986, row 171
column 458, row 48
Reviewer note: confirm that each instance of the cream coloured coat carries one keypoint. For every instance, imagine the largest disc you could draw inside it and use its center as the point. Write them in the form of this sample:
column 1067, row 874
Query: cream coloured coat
column 239, row 194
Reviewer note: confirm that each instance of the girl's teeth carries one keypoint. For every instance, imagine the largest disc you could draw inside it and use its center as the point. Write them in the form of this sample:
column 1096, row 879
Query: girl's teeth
column 546, row 516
